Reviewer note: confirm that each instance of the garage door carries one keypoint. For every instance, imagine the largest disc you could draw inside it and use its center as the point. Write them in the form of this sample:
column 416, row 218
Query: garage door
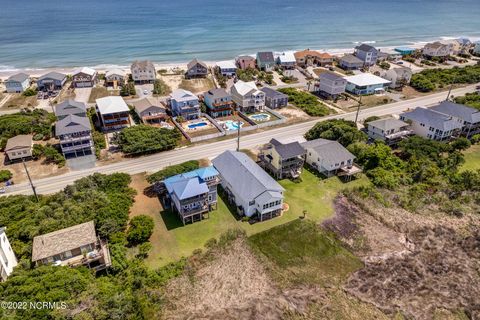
column 83, row 84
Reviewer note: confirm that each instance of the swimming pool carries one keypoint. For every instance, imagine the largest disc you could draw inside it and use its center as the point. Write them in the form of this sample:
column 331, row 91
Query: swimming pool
column 260, row 117
column 232, row 125
column 197, row 125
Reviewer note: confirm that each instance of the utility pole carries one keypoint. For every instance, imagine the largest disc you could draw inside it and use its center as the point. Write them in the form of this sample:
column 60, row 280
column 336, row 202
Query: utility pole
column 30, row 179
column 238, row 135
column 358, row 109
column 449, row 91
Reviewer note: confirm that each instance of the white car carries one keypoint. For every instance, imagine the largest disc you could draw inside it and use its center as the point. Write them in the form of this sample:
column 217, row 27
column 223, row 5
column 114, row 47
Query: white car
column 145, row 92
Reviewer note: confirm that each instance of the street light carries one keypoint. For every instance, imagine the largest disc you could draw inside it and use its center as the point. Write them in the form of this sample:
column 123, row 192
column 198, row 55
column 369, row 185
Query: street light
column 30, row 179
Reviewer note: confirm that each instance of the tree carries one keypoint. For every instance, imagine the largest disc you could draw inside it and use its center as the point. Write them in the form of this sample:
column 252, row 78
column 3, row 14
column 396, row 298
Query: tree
column 173, row 170
column 370, row 119
column 343, row 131
column 5, row 175
column 461, row 144
column 140, row 229
column 144, row 249
column 161, row 88
column 143, row 139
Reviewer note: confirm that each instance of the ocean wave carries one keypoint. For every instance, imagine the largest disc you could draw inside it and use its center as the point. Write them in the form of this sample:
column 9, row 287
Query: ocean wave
column 366, row 42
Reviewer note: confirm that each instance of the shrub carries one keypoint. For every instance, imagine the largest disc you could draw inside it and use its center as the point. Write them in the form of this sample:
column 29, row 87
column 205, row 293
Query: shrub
column 306, row 101
column 29, row 92
column 5, row 175
column 161, row 88
column 140, row 229
column 343, row 131
column 143, row 139
column 173, row 170
column 144, row 249
column 38, row 137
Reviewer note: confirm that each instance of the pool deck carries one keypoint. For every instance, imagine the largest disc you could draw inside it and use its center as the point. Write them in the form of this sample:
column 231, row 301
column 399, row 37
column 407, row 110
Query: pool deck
column 272, row 117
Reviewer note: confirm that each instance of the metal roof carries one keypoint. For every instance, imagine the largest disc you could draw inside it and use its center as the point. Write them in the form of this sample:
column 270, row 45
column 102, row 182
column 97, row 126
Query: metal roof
column 111, row 104
column 457, row 110
column 244, row 176
column 387, row 124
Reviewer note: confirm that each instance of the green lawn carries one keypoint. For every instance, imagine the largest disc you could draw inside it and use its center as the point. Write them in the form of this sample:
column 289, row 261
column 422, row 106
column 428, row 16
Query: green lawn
column 472, row 158
column 312, row 194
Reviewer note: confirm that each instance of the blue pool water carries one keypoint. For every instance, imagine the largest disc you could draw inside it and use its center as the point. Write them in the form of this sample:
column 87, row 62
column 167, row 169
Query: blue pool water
column 260, row 117
column 232, row 125
column 197, row 125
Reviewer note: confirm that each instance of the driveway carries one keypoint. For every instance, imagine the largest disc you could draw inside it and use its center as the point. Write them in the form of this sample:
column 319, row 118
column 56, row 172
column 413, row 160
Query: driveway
column 82, row 94
column 141, row 88
column 81, row 163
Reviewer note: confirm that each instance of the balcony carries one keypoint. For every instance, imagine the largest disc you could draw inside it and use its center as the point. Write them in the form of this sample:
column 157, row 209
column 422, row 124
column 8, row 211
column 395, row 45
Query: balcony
column 77, row 147
column 97, row 259
column 196, row 210
column 66, row 139
column 399, row 134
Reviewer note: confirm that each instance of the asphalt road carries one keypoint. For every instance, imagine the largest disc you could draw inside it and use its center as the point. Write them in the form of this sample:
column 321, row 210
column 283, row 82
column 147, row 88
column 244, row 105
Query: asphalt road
column 157, row 161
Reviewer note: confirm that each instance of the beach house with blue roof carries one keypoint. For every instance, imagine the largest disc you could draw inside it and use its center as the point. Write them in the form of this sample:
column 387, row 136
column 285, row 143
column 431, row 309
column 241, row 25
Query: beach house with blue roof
column 192, row 194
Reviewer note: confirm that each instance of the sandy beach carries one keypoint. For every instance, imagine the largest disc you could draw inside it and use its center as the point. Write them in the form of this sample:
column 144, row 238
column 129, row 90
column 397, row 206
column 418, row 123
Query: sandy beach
column 37, row 72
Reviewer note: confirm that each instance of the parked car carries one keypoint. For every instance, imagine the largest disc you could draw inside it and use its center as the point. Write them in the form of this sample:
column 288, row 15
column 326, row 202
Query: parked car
column 145, row 92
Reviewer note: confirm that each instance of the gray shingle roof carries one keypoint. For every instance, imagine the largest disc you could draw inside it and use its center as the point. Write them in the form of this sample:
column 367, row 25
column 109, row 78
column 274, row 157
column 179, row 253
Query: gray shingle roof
column 217, row 93
column 244, row 175
column 266, row 56
column 144, row 64
column 70, row 106
column 331, row 151
column 194, row 62
column 350, row 58
column 461, row 111
column 72, row 124
column 330, row 76
column 432, row 118
column 53, row 75
column 365, row 47
column 50, row 244
column 288, row 150
column 387, row 124
column 274, row 94
column 19, row 77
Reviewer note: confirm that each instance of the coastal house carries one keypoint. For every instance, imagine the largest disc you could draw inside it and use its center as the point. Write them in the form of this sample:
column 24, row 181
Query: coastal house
column 70, row 107
column 389, row 130
column 113, row 113
column 436, row 49
column 331, row 84
column 329, row 158
column 73, row 128
column 350, row 62
column 246, row 62
column 8, row 261
column 367, row 53
column 51, row 81
column 286, row 60
column 150, row 110
column 75, row 134
column 397, row 75
column 405, row 51
column 365, row 83
column 307, row 57
column 17, row 83
column 227, row 68
column 143, row 71
column 196, row 69
column 470, row 117
column 265, row 61
column 247, row 97
column 19, row 147
column 73, row 246
column 476, row 49
column 185, row 104
column 324, row 59
column 219, row 102
column 432, row 124
column 115, row 77
column 274, row 99
column 192, row 194
column 283, row 160
column 253, row 191
column 84, row 77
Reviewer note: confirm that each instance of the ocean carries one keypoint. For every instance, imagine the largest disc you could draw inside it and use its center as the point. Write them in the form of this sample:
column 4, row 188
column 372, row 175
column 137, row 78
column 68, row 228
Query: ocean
column 61, row 33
